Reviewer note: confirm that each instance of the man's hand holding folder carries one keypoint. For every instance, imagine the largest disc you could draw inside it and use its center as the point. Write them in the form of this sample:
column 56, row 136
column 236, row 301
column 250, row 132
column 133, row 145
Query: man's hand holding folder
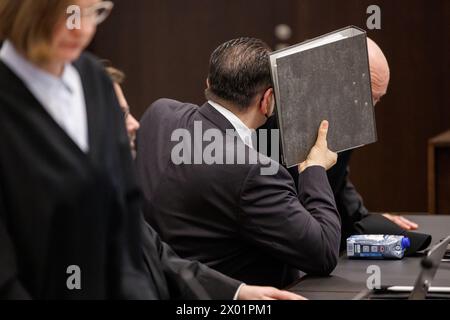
column 320, row 155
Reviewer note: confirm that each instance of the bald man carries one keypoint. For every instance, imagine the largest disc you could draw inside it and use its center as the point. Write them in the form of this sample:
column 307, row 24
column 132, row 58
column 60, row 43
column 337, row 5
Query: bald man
column 349, row 202
column 379, row 71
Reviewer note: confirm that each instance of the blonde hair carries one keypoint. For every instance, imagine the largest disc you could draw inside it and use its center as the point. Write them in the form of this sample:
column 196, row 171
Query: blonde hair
column 29, row 25
column 116, row 75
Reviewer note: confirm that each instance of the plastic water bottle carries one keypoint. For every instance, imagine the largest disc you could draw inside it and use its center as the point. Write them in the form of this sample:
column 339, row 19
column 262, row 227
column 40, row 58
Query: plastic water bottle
column 377, row 246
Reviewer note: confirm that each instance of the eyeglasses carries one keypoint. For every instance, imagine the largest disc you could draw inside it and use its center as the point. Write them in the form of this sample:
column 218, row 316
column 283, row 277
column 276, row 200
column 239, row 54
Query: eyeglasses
column 99, row 11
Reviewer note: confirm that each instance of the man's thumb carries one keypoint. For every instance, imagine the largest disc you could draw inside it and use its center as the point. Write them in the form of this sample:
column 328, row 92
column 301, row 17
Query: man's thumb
column 323, row 132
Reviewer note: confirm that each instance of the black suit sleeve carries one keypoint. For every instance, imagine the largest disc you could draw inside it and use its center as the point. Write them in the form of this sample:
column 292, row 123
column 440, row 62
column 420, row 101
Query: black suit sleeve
column 302, row 230
column 199, row 282
column 10, row 286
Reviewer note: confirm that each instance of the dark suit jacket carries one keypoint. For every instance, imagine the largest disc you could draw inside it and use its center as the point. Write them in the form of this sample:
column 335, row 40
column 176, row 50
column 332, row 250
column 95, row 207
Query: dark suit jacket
column 349, row 202
column 61, row 207
column 172, row 277
column 251, row 227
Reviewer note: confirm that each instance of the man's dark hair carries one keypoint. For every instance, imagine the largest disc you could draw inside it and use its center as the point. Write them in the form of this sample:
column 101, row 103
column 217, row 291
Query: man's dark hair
column 238, row 70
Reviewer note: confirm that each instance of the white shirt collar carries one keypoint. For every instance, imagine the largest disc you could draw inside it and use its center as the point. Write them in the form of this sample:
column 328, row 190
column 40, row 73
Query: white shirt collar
column 26, row 70
column 62, row 97
column 245, row 133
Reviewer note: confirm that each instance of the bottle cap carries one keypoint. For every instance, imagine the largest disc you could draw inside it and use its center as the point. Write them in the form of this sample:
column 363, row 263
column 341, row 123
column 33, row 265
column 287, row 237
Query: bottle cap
column 406, row 243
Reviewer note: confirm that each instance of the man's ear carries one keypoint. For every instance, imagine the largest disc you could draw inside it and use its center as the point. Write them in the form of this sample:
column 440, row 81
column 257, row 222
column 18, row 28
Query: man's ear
column 207, row 83
column 266, row 102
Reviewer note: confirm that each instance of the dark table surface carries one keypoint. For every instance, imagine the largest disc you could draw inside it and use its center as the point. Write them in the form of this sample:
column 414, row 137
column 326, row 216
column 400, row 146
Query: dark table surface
column 350, row 276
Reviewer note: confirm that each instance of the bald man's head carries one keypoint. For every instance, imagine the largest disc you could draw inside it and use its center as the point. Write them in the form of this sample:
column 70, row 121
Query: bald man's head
column 379, row 70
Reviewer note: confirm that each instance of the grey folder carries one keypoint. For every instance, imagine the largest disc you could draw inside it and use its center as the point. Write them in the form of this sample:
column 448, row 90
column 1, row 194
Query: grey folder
column 327, row 78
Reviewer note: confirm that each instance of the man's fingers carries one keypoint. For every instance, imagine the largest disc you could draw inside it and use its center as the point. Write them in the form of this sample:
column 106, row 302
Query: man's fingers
column 411, row 224
column 285, row 295
column 323, row 132
column 401, row 224
column 266, row 298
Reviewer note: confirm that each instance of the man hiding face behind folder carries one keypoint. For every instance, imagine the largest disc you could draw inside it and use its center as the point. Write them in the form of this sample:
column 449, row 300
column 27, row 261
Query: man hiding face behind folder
column 349, row 201
column 206, row 191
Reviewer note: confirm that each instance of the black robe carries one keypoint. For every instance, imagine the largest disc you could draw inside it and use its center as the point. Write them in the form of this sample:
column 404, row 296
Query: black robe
column 61, row 207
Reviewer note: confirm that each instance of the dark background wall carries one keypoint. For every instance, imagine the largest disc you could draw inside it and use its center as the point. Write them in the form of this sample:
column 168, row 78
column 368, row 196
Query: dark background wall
column 164, row 47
